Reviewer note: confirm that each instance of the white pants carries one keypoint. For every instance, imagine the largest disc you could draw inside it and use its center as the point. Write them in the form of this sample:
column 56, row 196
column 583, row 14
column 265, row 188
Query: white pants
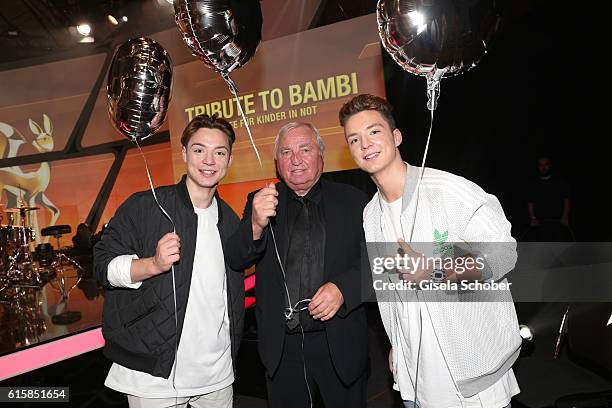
column 222, row 398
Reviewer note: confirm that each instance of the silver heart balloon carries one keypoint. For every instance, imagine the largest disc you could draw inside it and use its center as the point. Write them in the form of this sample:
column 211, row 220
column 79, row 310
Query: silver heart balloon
column 139, row 88
column 436, row 38
column 423, row 36
column 224, row 34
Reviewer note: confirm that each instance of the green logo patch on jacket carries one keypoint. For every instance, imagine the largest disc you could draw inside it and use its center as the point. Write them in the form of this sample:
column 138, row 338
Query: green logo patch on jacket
column 441, row 247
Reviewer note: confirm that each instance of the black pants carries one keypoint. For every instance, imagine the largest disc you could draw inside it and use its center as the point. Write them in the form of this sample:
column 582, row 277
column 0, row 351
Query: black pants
column 287, row 389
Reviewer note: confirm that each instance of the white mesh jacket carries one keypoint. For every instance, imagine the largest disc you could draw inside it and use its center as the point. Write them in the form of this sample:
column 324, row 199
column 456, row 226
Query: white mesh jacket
column 478, row 333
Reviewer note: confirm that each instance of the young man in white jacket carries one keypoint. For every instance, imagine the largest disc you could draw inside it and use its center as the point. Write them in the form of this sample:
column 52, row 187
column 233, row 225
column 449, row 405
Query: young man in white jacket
column 449, row 348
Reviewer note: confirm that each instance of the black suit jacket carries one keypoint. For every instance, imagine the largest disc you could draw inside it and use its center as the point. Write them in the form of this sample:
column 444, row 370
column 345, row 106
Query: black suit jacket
column 347, row 330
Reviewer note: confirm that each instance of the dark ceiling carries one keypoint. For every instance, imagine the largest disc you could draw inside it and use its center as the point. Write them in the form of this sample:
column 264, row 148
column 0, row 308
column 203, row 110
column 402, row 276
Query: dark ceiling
column 31, row 30
column 34, row 31
column 35, row 28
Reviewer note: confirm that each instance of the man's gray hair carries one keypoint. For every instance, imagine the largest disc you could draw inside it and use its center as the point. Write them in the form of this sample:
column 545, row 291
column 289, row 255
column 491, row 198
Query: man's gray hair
column 295, row 125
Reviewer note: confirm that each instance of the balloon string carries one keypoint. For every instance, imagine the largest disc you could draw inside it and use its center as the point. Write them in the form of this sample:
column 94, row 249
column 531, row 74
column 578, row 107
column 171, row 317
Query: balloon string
column 418, row 190
column 416, row 206
column 433, row 91
column 233, row 89
column 153, row 188
column 163, row 210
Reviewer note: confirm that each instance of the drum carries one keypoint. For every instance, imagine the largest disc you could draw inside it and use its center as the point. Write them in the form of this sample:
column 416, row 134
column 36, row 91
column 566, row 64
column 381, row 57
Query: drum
column 14, row 239
column 18, row 235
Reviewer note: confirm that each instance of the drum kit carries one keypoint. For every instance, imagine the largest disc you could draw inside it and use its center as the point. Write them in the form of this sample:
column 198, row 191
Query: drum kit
column 22, row 269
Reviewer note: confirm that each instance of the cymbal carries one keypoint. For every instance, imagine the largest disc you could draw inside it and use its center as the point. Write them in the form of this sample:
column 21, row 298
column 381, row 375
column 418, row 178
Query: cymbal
column 20, row 209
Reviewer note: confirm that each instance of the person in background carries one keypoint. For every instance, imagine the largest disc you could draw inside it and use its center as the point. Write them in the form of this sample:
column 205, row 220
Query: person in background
column 83, row 239
column 549, row 204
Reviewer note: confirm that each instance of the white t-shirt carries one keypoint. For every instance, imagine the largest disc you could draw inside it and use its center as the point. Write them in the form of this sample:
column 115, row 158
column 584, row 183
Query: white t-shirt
column 204, row 358
column 436, row 387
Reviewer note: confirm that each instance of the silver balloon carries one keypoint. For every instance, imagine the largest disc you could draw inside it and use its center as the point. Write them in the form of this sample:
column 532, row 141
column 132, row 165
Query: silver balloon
column 224, row 34
column 139, row 87
column 424, row 36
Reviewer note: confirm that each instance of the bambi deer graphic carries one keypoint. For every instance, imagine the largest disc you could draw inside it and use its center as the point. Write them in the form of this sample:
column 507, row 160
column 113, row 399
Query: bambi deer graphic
column 32, row 185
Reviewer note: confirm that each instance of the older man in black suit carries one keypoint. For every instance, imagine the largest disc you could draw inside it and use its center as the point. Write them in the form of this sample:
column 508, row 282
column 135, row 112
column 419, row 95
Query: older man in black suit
column 322, row 344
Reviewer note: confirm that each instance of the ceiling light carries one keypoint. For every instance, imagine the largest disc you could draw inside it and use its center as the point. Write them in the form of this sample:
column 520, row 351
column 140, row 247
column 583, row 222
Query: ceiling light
column 124, row 18
column 87, row 40
column 112, row 19
column 84, row 29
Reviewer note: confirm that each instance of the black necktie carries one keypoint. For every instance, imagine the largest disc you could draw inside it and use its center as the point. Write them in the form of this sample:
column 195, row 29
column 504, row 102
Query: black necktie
column 298, row 249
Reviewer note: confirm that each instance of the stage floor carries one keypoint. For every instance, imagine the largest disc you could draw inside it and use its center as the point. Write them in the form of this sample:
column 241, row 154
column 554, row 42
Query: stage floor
column 541, row 378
